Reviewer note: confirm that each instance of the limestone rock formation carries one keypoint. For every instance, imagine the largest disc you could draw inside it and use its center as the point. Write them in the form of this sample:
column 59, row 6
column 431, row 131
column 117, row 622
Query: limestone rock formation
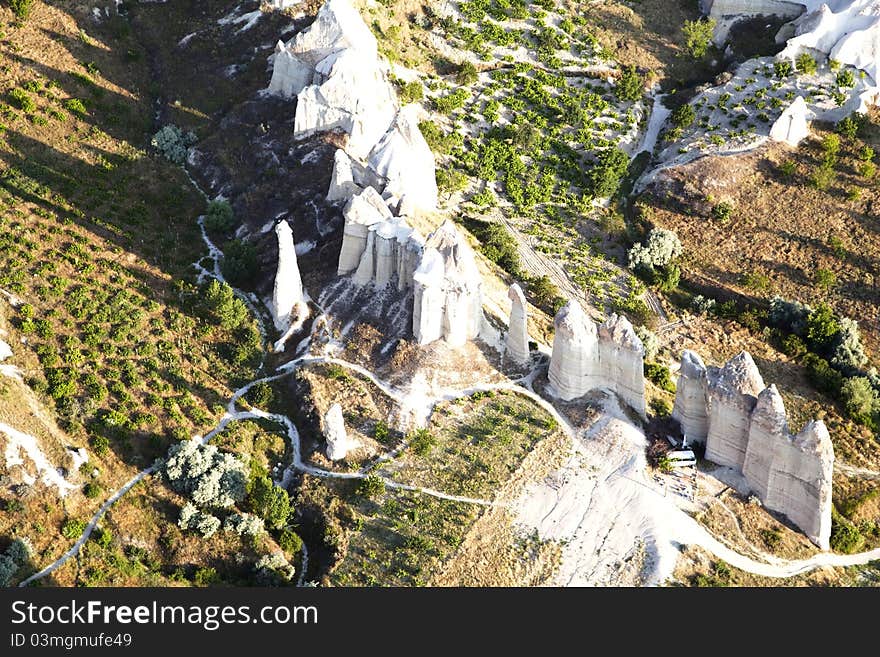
column 768, row 428
column 447, row 288
column 733, row 392
column 800, row 482
column 350, row 178
column 691, row 398
column 290, row 74
column 404, row 158
column 5, row 351
column 517, row 339
column 337, row 439
column 622, row 361
column 574, row 363
column 287, row 293
column 791, row 127
column 361, row 212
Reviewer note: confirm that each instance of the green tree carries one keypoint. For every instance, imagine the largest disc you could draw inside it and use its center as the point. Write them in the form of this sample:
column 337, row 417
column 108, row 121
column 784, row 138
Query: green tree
column 684, row 115
column 630, row 84
column 698, row 36
column 822, row 328
column 219, row 217
column 860, row 399
column 239, row 264
column 805, row 64
column 269, row 502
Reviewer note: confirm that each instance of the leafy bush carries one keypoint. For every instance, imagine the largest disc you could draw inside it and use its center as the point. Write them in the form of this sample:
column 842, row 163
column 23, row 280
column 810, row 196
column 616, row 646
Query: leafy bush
column 239, row 265
column 661, row 249
column 825, row 378
column 790, row 316
column 269, row 502
column 629, row 85
column 289, row 541
column 822, row 328
column 604, row 178
column 73, row 528
column 371, row 487
column 848, row 353
column 659, row 375
column 782, row 68
column 824, row 279
column 467, row 74
column 273, row 570
column 92, row 490
column 499, row 246
column 205, row 475
column 173, row 143
column 722, row 212
column 260, row 394
column 23, row 100
column 649, row 341
column 661, row 407
column 806, row 64
column 201, row 521
column 219, row 217
column 75, row 106
column 18, row 552
column 381, row 432
column 845, row 78
column 845, row 536
column 21, row 8
column 702, row 305
column 411, row 92
column 860, row 399
column 244, row 524
column 698, row 36
column 849, row 126
column 205, row 576
column 684, row 115
column 226, row 308
column 545, row 293
column 422, row 442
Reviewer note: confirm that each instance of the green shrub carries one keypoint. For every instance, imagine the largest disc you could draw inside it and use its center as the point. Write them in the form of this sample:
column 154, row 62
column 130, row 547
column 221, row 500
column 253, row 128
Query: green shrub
column 499, row 246
column 422, row 442
column 290, row 541
column 820, row 373
column 659, row 375
column 793, row 346
column 684, row 115
column 698, row 36
column 219, row 217
column 782, row 68
column 411, row 92
column 381, row 432
column 630, row 84
column 845, row 536
column 860, row 399
column 371, row 486
column 239, row 265
column 845, row 78
column 467, row 74
column 92, row 490
column 822, row 328
column 806, row 64
column 205, row 576
column 824, row 279
column 605, row 177
column 545, row 294
column 72, row 528
column 661, row 407
column 75, row 106
column 21, row 8
column 102, row 537
column 23, row 100
column 222, row 305
column 260, row 394
column 269, row 502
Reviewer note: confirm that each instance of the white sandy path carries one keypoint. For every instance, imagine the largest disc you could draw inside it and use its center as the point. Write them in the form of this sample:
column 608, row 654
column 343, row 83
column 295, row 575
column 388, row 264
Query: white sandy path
column 18, row 442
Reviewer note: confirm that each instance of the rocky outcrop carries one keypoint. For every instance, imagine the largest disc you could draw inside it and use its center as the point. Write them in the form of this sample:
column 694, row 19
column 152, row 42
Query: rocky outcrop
column 335, row 434
column 287, row 294
column 733, row 393
column 691, row 398
column 405, row 160
column 574, row 363
column 791, row 127
column 517, row 339
column 768, row 426
column 586, row 358
column 748, row 431
column 377, row 247
column 800, row 481
column 447, row 289
column 622, row 361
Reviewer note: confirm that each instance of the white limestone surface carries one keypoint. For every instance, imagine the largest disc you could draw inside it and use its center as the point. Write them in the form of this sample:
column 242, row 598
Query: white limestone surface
column 288, row 290
column 791, row 127
column 691, row 398
column 335, row 434
column 767, row 431
column 574, row 363
column 517, row 339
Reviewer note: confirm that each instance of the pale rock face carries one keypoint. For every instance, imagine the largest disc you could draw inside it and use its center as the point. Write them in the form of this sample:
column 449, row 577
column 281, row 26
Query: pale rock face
column 517, row 339
column 405, row 160
column 791, row 127
column 574, row 363
column 342, row 184
column 361, row 212
column 845, row 30
column 733, row 392
column 5, row 351
column 800, row 482
column 288, row 291
column 447, row 288
column 290, row 74
column 622, row 361
column 338, row 26
column 338, row 443
column 769, row 428
column 691, row 398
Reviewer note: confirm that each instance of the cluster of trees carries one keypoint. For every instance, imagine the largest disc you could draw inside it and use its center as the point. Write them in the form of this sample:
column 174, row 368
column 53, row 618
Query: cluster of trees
column 16, row 555
column 173, row 143
column 833, row 354
column 656, row 261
